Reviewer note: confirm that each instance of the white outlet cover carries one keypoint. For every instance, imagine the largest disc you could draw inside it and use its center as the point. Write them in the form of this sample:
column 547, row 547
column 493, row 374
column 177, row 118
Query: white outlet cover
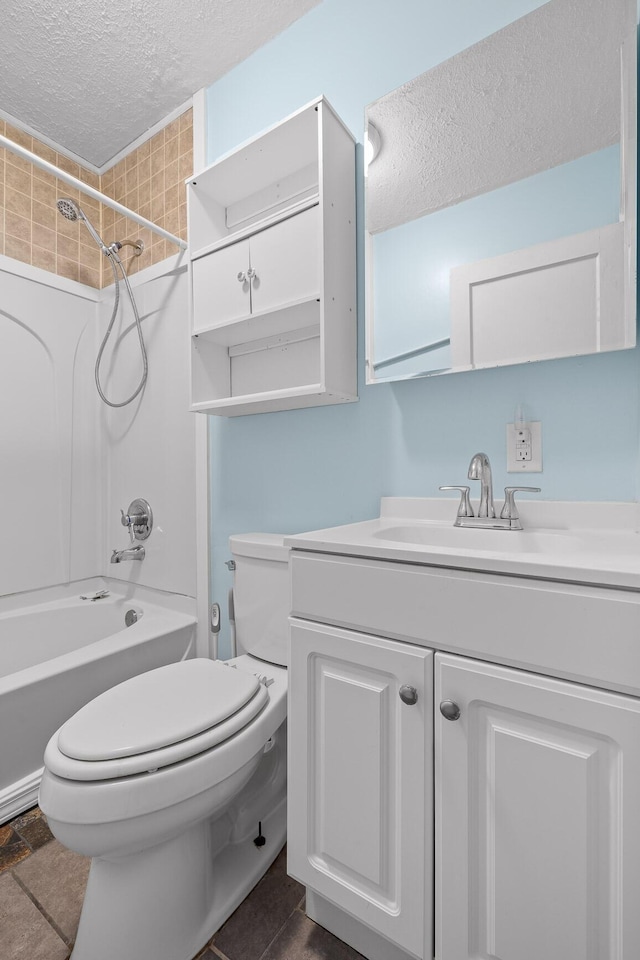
column 524, row 466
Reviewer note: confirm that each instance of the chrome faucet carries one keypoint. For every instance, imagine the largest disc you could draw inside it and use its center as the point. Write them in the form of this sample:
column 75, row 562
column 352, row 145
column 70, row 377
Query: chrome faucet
column 138, row 520
column 480, row 469
column 134, row 552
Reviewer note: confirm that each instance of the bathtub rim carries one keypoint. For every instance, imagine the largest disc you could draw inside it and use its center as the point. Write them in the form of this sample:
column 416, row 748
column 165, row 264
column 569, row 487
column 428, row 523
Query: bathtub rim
column 163, row 613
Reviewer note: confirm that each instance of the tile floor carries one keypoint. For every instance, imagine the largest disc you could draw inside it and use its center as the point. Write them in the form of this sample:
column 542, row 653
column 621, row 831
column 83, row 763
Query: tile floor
column 42, row 886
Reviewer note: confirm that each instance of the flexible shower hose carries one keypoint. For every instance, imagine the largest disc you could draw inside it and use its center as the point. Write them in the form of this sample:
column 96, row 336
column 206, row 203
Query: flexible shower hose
column 114, row 258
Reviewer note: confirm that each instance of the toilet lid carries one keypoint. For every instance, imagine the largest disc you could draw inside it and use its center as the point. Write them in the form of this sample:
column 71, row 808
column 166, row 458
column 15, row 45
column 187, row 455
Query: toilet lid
column 156, row 709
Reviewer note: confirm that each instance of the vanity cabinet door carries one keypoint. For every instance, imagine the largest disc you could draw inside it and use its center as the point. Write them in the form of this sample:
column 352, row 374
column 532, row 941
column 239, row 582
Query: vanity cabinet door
column 537, row 794
column 360, row 780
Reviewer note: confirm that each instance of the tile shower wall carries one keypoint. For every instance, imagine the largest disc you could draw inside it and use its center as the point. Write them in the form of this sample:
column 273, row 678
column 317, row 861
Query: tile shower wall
column 149, row 180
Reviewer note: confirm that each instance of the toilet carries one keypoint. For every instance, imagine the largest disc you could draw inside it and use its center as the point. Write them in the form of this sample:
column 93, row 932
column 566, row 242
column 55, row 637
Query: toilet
column 174, row 782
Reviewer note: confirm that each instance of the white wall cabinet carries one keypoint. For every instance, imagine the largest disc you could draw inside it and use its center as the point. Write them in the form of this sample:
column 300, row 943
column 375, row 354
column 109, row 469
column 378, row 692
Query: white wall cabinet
column 275, row 267
column 272, row 265
column 536, row 785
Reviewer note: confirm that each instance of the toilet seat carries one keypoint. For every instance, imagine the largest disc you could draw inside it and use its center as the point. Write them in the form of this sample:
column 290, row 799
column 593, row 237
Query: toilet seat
column 156, row 719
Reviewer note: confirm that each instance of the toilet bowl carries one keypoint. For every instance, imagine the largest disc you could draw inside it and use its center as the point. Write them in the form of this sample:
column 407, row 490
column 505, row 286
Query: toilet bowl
column 174, row 782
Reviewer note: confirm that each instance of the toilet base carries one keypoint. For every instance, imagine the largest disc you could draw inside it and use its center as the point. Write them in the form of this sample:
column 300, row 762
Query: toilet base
column 168, row 901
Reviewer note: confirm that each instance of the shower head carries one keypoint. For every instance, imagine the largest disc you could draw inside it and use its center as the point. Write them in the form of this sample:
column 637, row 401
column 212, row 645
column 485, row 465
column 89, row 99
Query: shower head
column 71, row 211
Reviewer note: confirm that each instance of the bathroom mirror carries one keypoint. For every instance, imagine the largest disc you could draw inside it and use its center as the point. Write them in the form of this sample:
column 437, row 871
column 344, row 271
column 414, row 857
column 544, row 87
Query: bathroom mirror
column 500, row 197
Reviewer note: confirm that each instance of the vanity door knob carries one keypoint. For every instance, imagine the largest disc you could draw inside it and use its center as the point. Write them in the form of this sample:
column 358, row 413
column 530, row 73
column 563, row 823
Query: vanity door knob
column 242, row 276
column 449, row 710
column 408, row 695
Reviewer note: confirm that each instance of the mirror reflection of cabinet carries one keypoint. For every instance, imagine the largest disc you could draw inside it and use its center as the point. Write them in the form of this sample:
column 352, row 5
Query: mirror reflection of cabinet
column 501, row 202
column 272, row 249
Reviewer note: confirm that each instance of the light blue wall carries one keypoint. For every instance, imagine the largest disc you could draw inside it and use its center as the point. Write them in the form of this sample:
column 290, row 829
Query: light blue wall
column 305, row 469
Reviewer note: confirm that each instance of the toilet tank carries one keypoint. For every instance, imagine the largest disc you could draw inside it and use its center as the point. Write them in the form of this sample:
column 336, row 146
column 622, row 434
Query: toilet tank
column 261, row 595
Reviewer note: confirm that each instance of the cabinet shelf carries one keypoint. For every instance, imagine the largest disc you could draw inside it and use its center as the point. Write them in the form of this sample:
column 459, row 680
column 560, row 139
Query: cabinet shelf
column 283, row 213
column 265, row 323
column 272, row 270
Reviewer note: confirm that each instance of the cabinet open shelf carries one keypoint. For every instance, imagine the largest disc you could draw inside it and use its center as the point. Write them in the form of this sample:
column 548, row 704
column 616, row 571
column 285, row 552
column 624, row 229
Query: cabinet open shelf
column 266, row 323
column 272, row 270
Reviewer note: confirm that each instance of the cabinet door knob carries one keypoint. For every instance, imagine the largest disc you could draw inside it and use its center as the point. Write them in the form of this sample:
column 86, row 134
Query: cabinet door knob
column 251, row 273
column 408, row 694
column 449, row 710
column 242, row 276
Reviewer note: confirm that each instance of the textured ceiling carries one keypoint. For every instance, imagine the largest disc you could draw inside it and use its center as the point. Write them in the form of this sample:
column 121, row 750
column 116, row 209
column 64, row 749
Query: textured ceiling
column 543, row 91
column 93, row 75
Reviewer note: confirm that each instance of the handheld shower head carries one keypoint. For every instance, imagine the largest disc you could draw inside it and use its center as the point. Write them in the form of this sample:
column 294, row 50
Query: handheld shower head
column 71, row 211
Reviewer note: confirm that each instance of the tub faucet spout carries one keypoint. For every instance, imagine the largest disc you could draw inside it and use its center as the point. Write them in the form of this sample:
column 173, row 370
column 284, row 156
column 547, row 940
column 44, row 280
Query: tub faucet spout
column 130, row 553
column 480, row 469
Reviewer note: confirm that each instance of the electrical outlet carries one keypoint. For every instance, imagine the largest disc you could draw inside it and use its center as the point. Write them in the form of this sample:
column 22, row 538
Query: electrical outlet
column 524, row 447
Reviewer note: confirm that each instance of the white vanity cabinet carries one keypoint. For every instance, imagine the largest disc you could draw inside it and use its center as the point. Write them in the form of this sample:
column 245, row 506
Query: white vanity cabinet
column 536, row 778
column 272, row 252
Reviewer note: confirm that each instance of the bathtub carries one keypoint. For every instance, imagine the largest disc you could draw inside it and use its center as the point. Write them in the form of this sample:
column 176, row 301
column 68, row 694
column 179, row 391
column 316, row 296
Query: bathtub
column 58, row 651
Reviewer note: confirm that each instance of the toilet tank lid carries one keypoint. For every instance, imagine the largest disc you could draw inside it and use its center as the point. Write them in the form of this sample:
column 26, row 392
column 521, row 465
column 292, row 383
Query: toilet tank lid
column 261, row 546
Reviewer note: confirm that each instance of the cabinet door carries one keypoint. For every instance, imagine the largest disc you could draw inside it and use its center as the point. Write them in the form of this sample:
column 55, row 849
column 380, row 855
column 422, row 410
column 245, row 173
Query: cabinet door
column 360, row 782
column 286, row 261
column 218, row 295
column 537, row 799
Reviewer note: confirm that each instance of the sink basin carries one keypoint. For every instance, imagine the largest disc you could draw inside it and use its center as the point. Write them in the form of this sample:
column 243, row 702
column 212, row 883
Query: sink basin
column 472, row 538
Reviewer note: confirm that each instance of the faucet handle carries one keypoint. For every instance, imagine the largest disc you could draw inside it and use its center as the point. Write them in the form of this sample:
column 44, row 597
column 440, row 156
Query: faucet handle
column 510, row 510
column 465, row 509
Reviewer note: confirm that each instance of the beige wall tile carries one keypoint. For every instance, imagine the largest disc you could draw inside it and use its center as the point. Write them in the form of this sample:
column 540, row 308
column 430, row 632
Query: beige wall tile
column 185, row 166
column 18, row 136
column 171, row 150
column 67, row 268
column 18, row 179
column 43, row 237
column 67, row 248
column 44, row 214
column 12, row 159
column 148, row 180
column 19, row 227
column 44, row 192
column 18, row 249
column 88, row 276
column 18, row 203
column 172, row 173
column 44, row 258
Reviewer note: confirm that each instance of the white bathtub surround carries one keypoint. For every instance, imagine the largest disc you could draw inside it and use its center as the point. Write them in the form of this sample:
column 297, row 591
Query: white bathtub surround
column 73, row 463
column 57, row 652
column 48, row 432
column 149, row 445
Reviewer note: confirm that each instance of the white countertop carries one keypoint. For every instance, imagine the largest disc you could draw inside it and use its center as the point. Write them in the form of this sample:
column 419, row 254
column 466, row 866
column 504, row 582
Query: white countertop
column 591, row 543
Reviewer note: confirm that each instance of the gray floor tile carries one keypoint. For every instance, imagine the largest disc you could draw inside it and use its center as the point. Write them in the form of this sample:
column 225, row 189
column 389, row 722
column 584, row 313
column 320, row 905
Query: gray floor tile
column 56, row 878
column 259, row 918
column 24, row 932
column 302, row 939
